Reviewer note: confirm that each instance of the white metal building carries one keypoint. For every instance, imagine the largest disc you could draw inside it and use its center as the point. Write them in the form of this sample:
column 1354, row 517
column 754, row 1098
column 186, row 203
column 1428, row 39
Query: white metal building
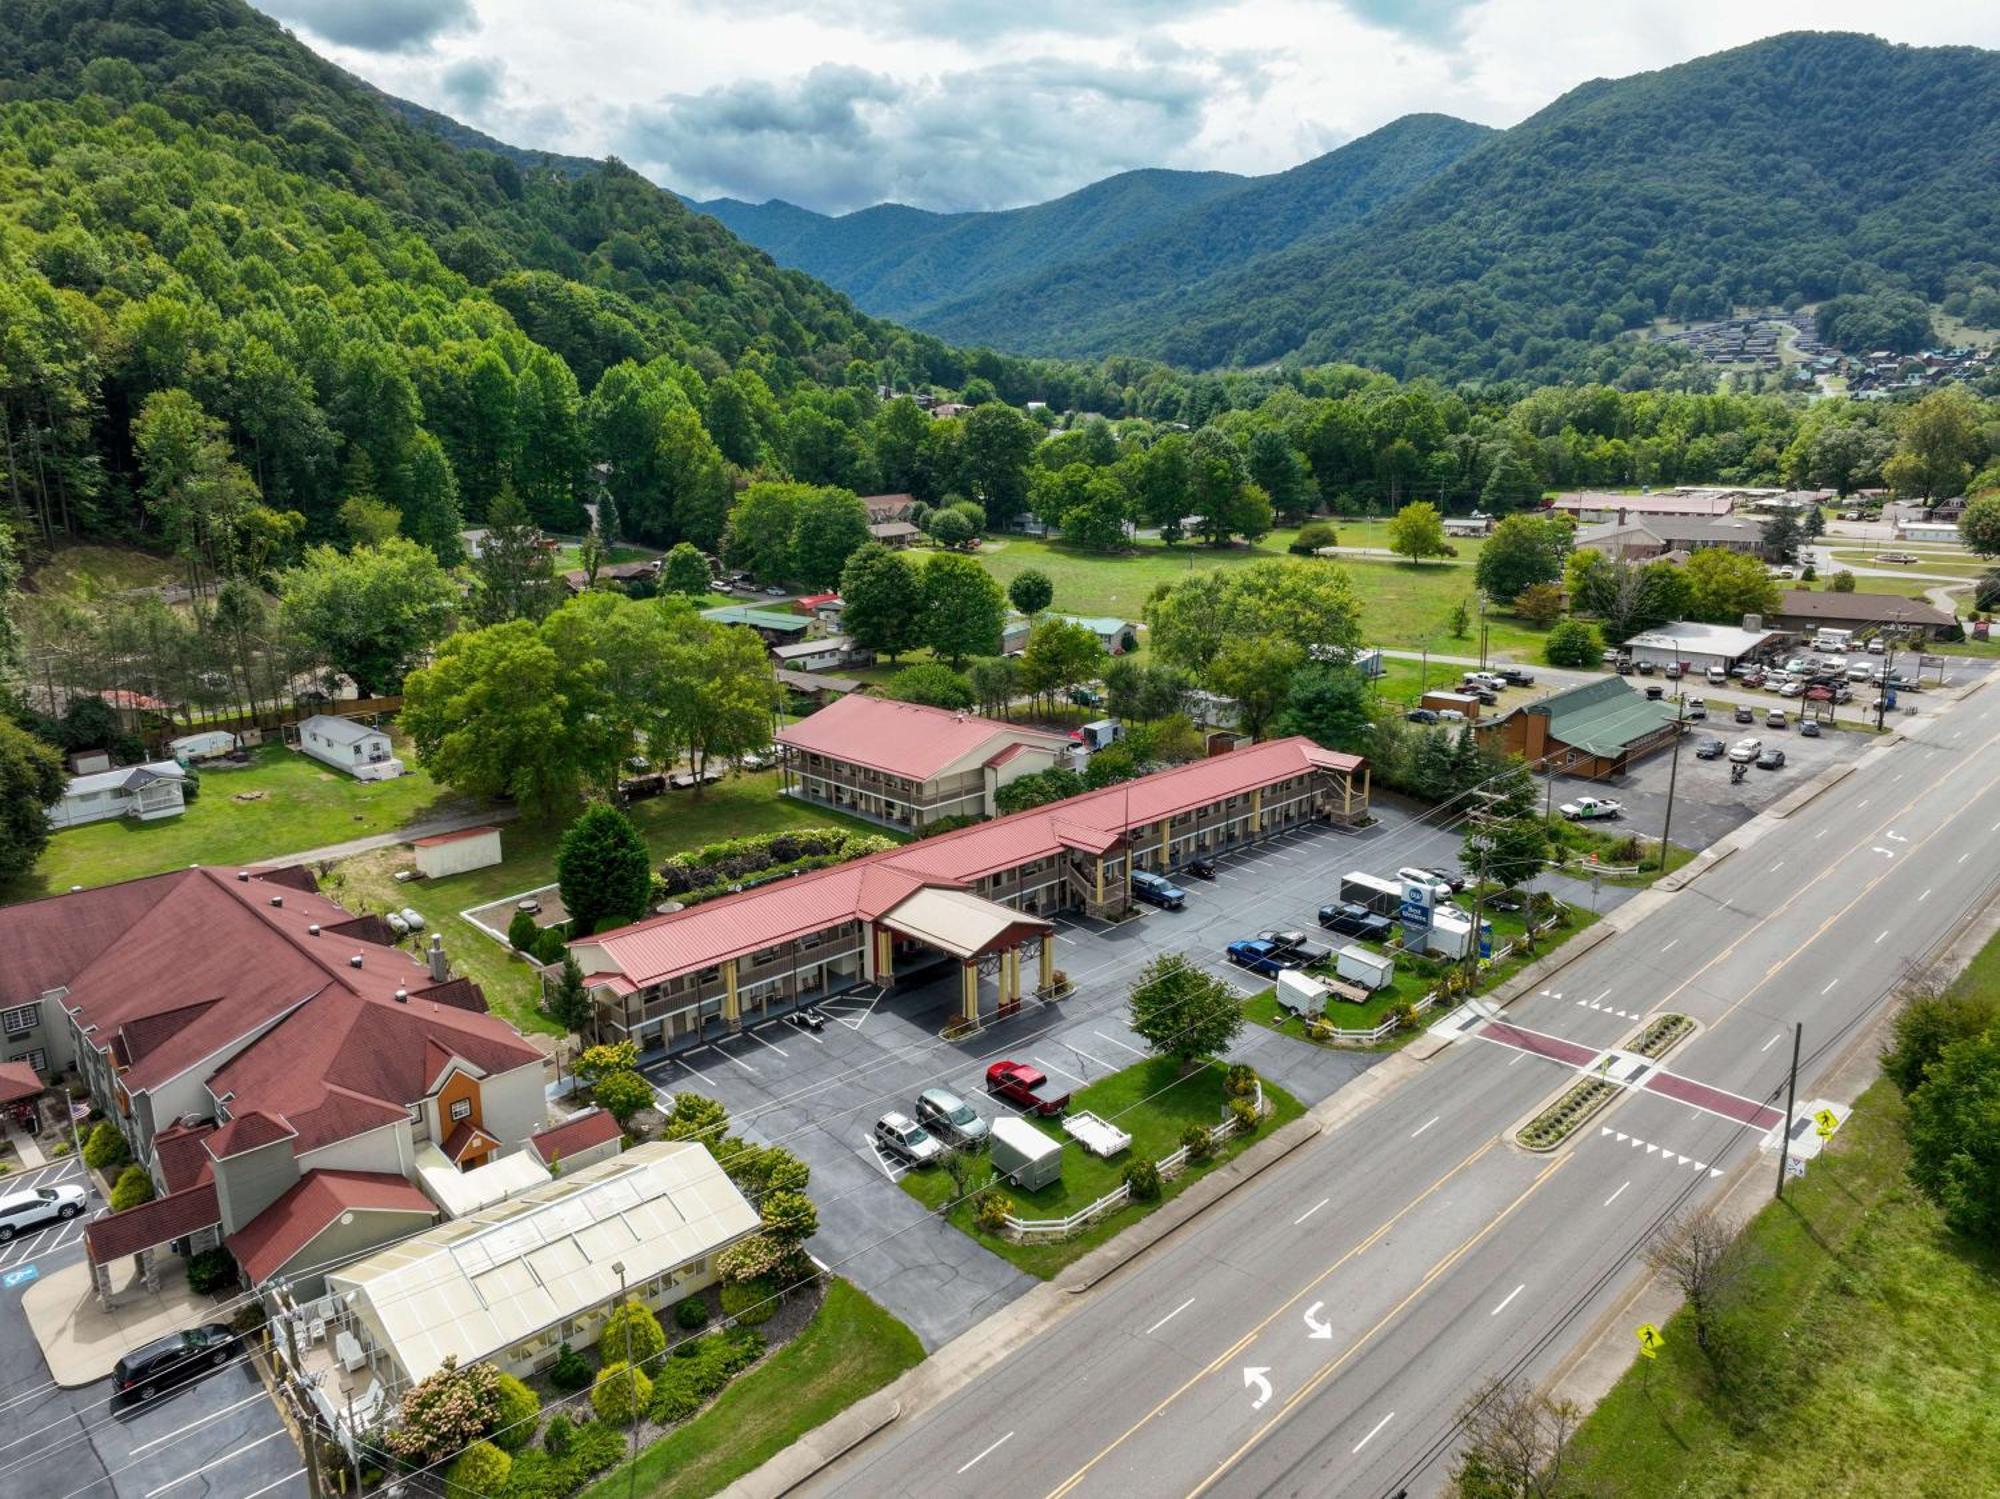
column 511, row 1282
column 456, row 852
column 1699, row 646
column 363, row 752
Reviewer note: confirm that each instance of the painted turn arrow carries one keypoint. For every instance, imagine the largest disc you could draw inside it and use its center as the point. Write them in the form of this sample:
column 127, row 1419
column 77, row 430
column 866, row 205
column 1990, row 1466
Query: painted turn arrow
column 1253, row 1379
column 1314, row 1327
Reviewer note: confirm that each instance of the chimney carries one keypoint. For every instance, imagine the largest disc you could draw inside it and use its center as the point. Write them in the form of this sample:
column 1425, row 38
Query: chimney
column 440, row 968
column 277, row 901
column 313, row 930
column 355, row 961
column 402, row 995
column 242, row 876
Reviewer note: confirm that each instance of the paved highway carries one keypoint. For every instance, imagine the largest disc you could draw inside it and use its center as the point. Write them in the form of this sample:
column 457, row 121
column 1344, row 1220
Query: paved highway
column 1317, row 1333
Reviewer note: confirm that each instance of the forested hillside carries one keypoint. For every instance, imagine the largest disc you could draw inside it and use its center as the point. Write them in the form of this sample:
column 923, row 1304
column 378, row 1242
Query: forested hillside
column 1792, row 169
column 903, row 262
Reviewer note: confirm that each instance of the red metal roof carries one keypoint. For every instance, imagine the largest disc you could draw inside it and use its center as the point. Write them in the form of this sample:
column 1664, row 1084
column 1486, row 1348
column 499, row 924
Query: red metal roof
column 454, row 837
column 271, row 1240
column 158, row 1222
column 591, row 1128
column 18, row 1081
column 816, row 600
column 904, row 739
column 862, row 889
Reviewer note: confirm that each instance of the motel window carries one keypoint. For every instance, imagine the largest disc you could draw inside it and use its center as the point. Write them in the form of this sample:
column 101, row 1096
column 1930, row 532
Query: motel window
column 461, row 1110
column 37, row 1059
column 21, row 1019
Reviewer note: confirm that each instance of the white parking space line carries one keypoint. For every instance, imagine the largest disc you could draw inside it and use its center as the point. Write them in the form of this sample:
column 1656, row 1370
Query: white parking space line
column 1507, row 1298
column 205, row 1467
column 762, row 1042
column 174, row 1436
column 1310, row 1211
column 1170, row 1316
column 717, row 1049
column 1116, row 1042
column 1051, row 1067
column 1061, row 938
column 1924, row 897
column 1372, row 1434
column 1094, row 1061
column 990, row 1451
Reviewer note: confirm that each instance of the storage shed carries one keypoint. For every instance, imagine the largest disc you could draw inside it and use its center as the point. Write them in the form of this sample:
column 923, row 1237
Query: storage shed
column 456, row 852
column 203, row 746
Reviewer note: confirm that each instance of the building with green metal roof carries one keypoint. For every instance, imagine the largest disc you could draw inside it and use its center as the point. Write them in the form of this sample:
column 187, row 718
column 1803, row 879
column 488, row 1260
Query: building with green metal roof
column 769, row 623
column 1596, row 729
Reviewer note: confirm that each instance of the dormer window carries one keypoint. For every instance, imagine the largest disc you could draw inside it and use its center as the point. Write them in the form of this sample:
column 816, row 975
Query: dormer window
column 461, row 1109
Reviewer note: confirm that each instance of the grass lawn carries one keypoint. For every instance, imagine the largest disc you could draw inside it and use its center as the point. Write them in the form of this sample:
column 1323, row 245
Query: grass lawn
column 849, row 1350
column 1859, row 1350
column 85, row 571
column 738, row 807
column 1607, row 841
column 1957, row 563
column 1153, row 1104
column 304, row 805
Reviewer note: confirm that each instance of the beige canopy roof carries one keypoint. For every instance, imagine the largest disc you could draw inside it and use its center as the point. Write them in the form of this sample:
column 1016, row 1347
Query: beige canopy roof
column 959, row 922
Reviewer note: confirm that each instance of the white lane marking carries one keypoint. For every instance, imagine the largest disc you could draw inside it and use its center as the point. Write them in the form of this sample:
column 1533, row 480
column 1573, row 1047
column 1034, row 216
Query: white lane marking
column 1924, row 897
column 1670, row 945
column 1605, row 995
column 1821, row 833
column 1777, row 866
column 762, row 1042
column 174, row 1436
column 1620, row 1192
column 1963, row 857
column 1895, row 778
column 1425, row 1125
column 1507, row 1298
column 1116, row 1042
column 176, row 1483
column 1862, row 803
column 987, row 1453
column 1884, row 933
column 1774, row 1040
column 1310, row 1211
column 1371, row 1435
column 1170, row 1316
column 300, row 1473
column 1829, row 986
column 1051, row 1066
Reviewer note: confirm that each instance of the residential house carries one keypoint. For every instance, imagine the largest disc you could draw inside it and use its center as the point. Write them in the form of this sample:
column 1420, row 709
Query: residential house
column 144, row 793
column 883, row 507
column 1468, row 525
column 361, row 750
column 894, row 534
column 821, row 655
column 1116, row 635
column 581, row 1140
column 775, row 627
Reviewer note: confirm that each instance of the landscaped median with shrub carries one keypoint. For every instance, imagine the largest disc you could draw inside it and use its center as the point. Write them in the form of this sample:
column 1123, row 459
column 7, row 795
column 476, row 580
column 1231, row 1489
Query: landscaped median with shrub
column 738, row 863
column 1637, row 859
column 1150, row 1101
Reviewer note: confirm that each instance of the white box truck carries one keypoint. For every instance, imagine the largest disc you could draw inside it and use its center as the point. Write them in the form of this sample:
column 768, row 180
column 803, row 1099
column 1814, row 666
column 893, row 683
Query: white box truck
column 1833, row 640
column 1024, row 1155
column 1383, row 897
column 1451, row 935
column 1101, row 732
column 1301, row 994
column 1371, row 970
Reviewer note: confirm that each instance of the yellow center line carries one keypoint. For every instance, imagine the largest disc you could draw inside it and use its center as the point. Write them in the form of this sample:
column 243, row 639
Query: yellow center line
column 1327, row 1370
column 1237, row 1347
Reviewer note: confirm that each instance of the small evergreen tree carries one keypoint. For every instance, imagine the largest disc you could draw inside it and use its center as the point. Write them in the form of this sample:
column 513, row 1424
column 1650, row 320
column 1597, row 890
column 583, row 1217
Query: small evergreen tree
column 603, row 870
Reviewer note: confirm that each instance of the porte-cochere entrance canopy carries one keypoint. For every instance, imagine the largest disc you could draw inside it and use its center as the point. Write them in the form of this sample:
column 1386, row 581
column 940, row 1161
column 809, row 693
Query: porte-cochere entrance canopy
column 974, row 930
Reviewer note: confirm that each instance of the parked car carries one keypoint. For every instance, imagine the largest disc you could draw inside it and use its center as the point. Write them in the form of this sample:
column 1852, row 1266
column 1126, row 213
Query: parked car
column 1673, row 671
column 1771, row 759
column 1709, row 749
column 1479, row 692
column 1746, row 750
column 1809, row 728
column 1266, row 959
column 1776, row 719
column 1717, row 677
column 1517, row 676
column 1654, row 692
column 1646, row 668
column 1157, row 890
column 1792, row 689
column 1450, row 715
column 1695, row 709
column 1021, row 1085
column 1861, row 671
column 774, row 591
column 1421, row 715
column 1353, row 920
column 1591, row 809
column 23, row 1210
column 1299, row 948
column 1875, row 646
column 152, row 1367
column 1457, row 882
column 1623, row 668
column 1441, row 888
column 1745, row 714
column 1201, row 869
column 951, row 1118
column 907, row 1140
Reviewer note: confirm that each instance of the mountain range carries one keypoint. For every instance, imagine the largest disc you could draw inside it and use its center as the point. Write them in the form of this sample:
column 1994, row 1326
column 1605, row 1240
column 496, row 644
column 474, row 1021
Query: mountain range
column 1797, row 167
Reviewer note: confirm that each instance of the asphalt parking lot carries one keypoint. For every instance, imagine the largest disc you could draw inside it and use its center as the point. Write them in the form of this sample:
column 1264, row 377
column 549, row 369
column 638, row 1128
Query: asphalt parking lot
column 820, row 1095
column 219, row 1435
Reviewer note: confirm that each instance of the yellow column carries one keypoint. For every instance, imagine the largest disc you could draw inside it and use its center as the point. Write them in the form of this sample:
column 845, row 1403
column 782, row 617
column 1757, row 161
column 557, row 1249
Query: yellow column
column 1257, row 810
column 969, row 980
column 885, row 956
column 1347, row 795
column 1014, row 975
column 1048, row 959
column 1367, row 772
column 1166, row 841
column 732, row 1012
column 1100, row 880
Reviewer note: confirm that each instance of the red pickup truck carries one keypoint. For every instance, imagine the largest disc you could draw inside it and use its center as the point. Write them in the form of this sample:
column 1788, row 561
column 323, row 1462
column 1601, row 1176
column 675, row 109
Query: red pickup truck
column 1021, row 1086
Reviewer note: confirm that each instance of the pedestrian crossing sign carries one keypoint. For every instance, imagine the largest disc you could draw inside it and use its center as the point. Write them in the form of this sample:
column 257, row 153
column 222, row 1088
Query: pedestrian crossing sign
column 1826, row 1122
column 1649, row 1340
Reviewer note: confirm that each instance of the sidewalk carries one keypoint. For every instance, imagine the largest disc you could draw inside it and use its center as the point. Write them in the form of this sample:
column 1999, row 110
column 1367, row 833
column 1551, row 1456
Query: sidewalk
column 82, row 1341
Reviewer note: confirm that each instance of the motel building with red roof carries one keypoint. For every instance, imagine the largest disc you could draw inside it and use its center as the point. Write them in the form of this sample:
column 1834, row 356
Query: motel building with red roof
column 283, row 1071
column 980, row 897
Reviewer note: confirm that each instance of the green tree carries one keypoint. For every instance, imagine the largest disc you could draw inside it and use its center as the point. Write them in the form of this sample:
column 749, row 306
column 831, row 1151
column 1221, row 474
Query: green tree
column 514, row 1425
column 194, row 489
column 1724, row 586
column 513, row 575
column 134, row 1186
column 1256, row 672
column 789, row 1217
column 569, row 1002
column 1280, row 470
column 1031, row 591
column 1539, row 604
column 995, row 683
column 32, row 779
column 621, row 1394
column 962, row 609
column 1522, row 551
column 445, row 1412
column 1935, row 1015
column 1060, row 654
column 427, row 497
column 603, row 870
column 371, row 613
column 492, row 716
column 1954, row 1145
column 1183, row 1012
column 623, row 1094
column 367, row 521
column 949, row 529
column 1937, row 445
column 1979, row 524
column 831, row 526
column 632, row 1334
column 931, row 683
column 762, row 525
column 883, row 595
column 1331, row 705
column 480, row 1471
column 1417, row 532
column 1510, row 484
column 1573, row 642
column 685, row 571
column 1217, row 478
column 997, row 445
column 1310, row 603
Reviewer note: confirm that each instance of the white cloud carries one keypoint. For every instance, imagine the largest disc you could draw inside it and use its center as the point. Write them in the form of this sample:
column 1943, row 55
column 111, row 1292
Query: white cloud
column 996, row 102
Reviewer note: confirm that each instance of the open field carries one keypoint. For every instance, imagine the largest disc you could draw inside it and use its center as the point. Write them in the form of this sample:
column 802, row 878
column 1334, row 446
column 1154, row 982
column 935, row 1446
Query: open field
column 86, row 570
column 300, row 804
column 1151, row 1102
column 849, row 1350
column 1856, row 1354
column 738, row 807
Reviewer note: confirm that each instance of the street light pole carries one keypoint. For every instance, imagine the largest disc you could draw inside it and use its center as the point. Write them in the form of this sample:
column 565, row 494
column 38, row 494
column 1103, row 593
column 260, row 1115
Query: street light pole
column 1673, row 775
column 631, row 1383
column 1791, row 1098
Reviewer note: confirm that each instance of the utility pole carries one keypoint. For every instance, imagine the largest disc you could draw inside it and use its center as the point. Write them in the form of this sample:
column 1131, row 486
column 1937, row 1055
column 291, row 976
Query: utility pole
column 1791, row 1098
column 1673, row 775
column 308, row 1435
column 631, row 1385
column 1482, row 629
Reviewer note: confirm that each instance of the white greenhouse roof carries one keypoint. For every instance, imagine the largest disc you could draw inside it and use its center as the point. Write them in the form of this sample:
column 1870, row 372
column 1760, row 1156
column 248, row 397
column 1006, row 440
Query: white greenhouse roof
column 499, row 1276
column 462, row 1192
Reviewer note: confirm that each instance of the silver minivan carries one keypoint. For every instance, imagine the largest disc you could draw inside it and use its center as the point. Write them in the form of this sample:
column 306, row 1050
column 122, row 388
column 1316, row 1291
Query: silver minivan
column 951, row 1118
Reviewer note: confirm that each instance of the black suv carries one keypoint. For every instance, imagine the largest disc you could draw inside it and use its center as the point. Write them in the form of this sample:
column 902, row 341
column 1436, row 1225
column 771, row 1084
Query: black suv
column 147, row 1370
column 1355, row 921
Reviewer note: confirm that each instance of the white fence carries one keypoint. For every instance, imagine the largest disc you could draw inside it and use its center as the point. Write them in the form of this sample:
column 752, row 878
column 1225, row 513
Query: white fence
column 1052, row 1230
column 1387, row 1028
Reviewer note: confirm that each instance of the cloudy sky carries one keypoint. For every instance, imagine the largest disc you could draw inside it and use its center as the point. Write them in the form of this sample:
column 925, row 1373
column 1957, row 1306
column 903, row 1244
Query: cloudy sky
column 954, row 104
